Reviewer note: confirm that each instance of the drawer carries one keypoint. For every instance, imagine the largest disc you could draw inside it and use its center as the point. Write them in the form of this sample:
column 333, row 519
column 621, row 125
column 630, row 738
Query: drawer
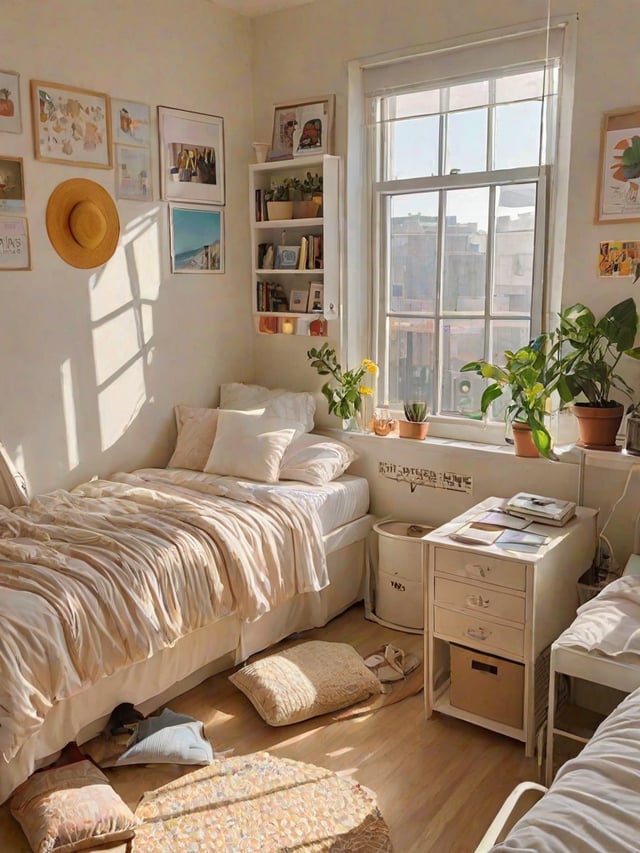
column 479, row 600
column 480, row 633
column 508, row 573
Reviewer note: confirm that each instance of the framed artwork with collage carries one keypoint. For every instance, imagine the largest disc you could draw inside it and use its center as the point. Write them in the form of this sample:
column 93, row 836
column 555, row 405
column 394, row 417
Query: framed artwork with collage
column 302, row 128
column 191, row 156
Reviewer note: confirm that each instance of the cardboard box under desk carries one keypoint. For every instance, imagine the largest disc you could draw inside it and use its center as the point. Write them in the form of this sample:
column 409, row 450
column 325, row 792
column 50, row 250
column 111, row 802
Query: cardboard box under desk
column 488, row 686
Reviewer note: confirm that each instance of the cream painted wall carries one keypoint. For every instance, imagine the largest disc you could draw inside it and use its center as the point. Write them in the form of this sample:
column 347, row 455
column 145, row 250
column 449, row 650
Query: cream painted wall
column 320, row 39
column 92, row 362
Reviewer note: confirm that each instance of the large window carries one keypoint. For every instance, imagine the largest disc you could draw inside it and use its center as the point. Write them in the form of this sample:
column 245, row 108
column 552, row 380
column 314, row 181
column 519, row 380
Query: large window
column 461, row 171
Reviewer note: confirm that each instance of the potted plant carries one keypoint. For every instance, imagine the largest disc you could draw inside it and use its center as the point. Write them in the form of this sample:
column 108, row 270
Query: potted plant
column 311, row 197
column 529, row 376
column 415, row 424
column 588, row 369
column 279, row 198
column 345, row 400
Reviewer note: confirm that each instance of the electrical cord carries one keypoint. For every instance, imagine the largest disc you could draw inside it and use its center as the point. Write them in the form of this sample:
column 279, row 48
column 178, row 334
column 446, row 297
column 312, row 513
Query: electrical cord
column 612, row 566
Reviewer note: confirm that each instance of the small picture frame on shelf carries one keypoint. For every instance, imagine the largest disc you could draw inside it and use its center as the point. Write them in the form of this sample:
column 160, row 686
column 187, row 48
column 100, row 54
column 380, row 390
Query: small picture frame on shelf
column 315, row 303
column 287, row 257
column 298, row 301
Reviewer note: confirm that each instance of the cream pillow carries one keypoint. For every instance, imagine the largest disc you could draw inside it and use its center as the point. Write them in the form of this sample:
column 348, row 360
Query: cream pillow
column 315, row 459
column 250, row 444
column 196, row 431
column 71, row 808
column 306, row 680
column 294, row 405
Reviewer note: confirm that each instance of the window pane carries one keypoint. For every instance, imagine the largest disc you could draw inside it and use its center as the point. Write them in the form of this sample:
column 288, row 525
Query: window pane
column 414, row 146
column 413, row 104
column 466, row 141
column 465, row 248
column 462, row 341
column 513, row 249
column 413, row 252
column 520, row 87
column 517, row 135
column 505, row 335
column 411, row 357
column 469, row 95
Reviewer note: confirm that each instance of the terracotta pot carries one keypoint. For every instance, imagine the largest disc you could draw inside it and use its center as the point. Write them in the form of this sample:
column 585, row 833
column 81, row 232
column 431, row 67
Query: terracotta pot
column 411, row 429
column 598, row 427
column 305, row 209
column 279, row 210
column 523, row 440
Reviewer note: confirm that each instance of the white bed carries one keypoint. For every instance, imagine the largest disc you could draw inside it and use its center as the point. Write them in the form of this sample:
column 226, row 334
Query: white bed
column 339, row 510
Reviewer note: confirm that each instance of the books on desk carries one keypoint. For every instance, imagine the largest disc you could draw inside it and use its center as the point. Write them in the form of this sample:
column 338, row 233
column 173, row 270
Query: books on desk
column 521, row 540
column 541, row 509
column 476, row 534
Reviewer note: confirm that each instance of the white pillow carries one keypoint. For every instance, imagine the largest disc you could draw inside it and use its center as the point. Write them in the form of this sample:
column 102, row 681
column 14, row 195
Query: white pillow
column 294, row 405
column 196, row 431
column 315, row 459
column 250, row 444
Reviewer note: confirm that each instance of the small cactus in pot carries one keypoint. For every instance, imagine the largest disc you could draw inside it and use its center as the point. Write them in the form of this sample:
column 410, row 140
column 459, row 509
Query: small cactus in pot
column 415, row 424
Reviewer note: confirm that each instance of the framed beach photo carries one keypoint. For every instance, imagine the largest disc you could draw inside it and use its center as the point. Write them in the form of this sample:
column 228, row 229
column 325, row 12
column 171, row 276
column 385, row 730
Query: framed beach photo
column 71, row 125
column 130, row 122
column 287, row 257
column 302, row 128
column 14, row 243
column 298, row 301
column 619, row 172
column 11, row 185
column 10, row 111
column 133, row 173
column 197, row 239
column 191, row 156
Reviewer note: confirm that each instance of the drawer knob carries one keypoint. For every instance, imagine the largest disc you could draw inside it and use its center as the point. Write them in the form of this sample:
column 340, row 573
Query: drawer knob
column 478, row 633
column 477, row 601
column 475, row 570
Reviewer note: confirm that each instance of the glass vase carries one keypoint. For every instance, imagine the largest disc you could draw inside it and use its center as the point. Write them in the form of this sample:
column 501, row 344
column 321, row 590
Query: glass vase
column 351, row 424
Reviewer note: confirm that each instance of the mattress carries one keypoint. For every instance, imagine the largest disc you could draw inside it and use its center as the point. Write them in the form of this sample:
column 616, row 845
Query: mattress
column 341, row 501
column 594, row 802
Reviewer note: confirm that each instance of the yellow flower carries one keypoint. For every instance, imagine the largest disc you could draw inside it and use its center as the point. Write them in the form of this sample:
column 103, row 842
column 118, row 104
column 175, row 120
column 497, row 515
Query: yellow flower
column 369, row 366
column 366, row 391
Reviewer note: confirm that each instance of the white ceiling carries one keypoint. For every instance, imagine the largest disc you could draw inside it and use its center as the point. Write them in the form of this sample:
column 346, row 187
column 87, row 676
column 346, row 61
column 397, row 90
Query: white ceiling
column 253, row 8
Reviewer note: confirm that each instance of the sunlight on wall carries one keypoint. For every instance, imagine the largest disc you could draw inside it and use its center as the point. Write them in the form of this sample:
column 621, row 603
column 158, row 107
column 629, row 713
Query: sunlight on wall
column 69, row 411
column 122, row 297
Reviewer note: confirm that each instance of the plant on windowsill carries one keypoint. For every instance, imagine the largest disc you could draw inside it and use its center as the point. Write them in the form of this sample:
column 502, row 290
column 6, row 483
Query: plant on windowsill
column 346, row 400
column 415, row 424
column 588, row 370
column 528, row 376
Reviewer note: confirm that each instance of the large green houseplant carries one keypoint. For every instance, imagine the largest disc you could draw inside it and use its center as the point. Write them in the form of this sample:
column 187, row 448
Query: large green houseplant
column 588, row 353
column 528, row 377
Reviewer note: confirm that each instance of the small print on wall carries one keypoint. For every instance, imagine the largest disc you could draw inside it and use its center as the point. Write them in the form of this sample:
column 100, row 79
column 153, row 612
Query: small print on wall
column 619, row 258
column 130, row 122
column 619, row 179
column 133, row 173
column 14, row 244
column 197, row 239
column 10, row 113
column 11, row 185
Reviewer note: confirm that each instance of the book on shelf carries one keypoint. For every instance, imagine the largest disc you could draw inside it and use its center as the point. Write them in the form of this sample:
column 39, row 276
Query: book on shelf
column 304, row 248
column 474, row 535
column 542, row 509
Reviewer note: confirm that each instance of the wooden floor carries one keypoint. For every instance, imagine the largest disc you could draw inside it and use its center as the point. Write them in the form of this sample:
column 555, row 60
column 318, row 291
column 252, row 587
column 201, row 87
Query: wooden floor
column 439, row 782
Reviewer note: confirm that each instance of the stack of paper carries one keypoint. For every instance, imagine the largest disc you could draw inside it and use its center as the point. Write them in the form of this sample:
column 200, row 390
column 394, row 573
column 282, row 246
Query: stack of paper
column 541, row 509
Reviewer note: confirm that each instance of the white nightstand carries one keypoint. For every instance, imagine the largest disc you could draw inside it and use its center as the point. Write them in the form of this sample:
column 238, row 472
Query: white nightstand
column 501, row 609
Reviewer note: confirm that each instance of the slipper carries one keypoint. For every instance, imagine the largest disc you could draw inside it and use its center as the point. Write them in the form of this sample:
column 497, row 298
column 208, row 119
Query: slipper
column 391, row 664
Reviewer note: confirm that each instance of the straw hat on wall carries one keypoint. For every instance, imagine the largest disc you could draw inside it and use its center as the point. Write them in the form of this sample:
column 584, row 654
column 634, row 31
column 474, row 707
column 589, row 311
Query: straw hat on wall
column 82, row 223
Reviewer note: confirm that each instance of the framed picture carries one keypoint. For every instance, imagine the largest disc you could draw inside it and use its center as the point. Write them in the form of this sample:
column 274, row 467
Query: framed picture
column 71, row 125
column 133, row 173
column 287, row 257
column 315, row 304
column 130, row 122
column 197, row 239
column 619, row 176
column 10, row 112
column 191, row 156
column 11, row 185
column 303, row 128
column 618, row 258
column 298, row 301
column 14, row 244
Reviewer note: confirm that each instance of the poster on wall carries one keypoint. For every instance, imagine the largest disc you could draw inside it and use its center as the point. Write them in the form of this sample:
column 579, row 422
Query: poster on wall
column 197, row 239
column 191, row 156
column 11, row 185
column 130, row 122
column 10, row 113
column 619, row 179
column 14, row 244
column 618, row 258
column 133, row 173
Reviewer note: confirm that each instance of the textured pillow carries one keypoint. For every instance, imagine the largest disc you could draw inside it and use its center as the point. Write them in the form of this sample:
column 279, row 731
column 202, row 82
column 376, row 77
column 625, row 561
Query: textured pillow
column 71, row 808
column 294, row 405
column 315, row 460
column 196, row 431
column 309, row 679
column 250, row 444
column 168, row 738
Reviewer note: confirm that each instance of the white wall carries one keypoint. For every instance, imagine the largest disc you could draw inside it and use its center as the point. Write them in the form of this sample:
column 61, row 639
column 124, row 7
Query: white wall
column 92, row 362
column 304, row 52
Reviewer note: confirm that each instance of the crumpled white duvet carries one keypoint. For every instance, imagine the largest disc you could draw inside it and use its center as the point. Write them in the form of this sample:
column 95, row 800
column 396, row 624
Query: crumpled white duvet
column 609, row 624
column 111, row 572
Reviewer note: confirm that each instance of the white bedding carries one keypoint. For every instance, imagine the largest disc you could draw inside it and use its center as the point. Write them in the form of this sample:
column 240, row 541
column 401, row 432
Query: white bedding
column 593, row 805
column 116, row 570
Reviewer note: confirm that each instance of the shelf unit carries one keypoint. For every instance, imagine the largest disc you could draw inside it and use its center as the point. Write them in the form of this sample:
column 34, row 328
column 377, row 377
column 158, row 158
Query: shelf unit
column 289, row 232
